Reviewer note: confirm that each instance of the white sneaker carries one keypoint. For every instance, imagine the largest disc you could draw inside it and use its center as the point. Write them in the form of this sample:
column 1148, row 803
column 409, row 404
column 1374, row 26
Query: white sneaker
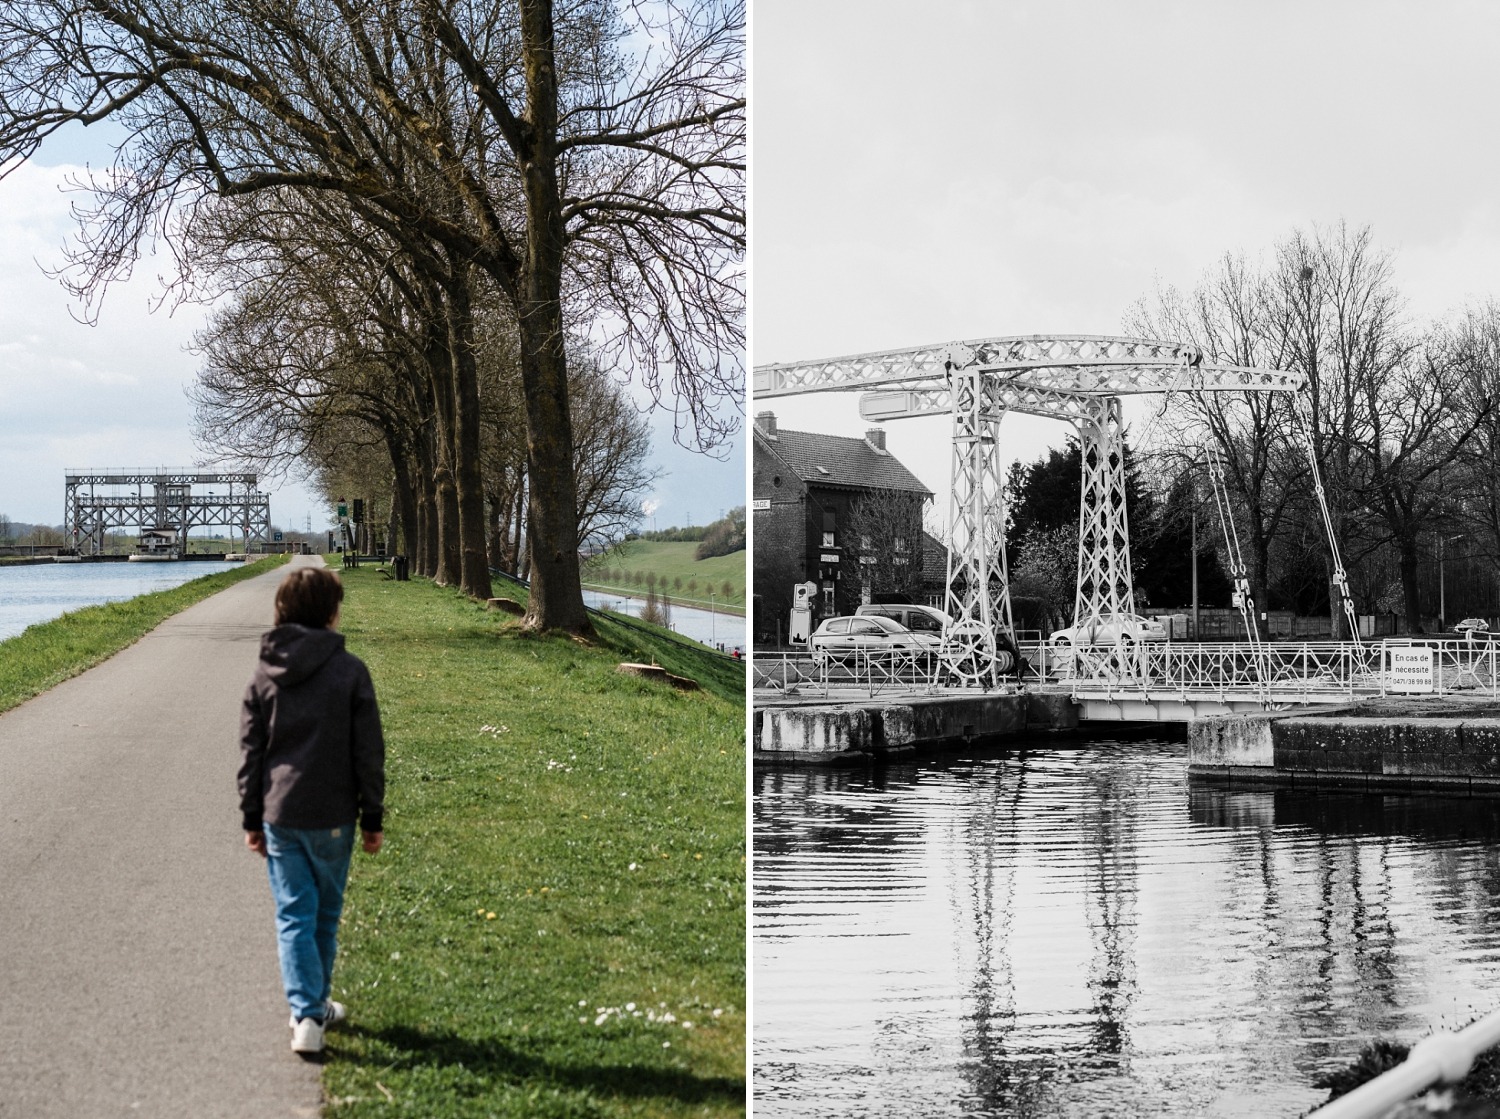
column 333, row 1012
column 307, row 1036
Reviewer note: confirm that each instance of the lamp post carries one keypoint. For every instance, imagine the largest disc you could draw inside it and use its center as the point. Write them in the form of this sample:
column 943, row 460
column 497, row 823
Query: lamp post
column 711, row 619
column 1442, row 588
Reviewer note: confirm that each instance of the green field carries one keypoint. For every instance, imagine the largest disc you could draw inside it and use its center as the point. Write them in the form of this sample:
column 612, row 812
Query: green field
column 673, row 562
column 556, row 924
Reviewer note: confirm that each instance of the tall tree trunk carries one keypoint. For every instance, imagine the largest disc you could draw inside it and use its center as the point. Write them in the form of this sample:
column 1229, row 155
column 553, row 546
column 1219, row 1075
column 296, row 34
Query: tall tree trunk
column 439, row 361
column 556, row 586
column 468, row 477
column 518, row 528
column 403, row 497
column 449, row 557
column 1407, row 546
column 494, row 503
column 425, row 481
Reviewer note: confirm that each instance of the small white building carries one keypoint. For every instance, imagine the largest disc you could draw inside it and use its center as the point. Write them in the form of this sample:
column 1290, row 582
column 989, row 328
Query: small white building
column 159, row 542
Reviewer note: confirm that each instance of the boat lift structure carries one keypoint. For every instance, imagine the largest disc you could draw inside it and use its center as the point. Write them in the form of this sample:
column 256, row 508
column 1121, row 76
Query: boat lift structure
column 97, row 502
column 1078, row 379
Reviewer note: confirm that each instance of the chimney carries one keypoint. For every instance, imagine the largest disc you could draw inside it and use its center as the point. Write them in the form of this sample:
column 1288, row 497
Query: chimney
column 765, row 423
column 876, row 438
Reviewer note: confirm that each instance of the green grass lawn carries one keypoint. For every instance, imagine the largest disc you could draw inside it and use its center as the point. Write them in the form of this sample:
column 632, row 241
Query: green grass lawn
column 556, row 925
column 672, row 562
column 44, row 655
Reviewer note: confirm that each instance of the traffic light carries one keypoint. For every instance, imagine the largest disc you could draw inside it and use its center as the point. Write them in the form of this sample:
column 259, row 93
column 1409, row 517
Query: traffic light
column 359, row 510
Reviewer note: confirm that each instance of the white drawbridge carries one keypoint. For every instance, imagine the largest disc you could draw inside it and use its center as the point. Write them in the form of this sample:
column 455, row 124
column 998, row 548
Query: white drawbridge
column 1078, row 379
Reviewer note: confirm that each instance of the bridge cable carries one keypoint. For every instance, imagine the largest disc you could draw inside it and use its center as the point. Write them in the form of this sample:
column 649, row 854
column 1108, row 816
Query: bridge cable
column 1243, row 598
column 1308, row 423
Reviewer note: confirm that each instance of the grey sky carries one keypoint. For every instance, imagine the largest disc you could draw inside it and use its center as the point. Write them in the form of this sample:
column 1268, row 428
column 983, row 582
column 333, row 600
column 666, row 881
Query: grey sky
column 956, row 170
column 113, row 394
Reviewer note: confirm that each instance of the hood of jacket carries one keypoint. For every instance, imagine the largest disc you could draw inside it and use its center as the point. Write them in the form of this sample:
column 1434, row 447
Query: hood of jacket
column 291, row 653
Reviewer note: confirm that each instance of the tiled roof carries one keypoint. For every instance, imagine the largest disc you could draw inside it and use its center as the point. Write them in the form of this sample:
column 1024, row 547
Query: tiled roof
column 838, row 460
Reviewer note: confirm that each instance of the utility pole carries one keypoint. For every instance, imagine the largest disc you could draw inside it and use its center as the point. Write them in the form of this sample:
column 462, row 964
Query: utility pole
column 1195, row 563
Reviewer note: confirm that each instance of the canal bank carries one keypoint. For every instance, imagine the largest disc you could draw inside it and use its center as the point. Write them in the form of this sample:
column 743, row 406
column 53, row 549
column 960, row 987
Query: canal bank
column 1443, row 743
column 830, row 731
column 1439, row 743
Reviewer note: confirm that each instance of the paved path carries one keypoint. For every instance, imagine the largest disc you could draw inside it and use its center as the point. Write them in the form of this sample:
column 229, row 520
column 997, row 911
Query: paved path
column 138, row 971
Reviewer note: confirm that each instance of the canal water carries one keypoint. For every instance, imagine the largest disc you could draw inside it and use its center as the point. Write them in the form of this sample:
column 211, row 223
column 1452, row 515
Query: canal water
column 1088, row 931
column 713, row 628
column 31, row 593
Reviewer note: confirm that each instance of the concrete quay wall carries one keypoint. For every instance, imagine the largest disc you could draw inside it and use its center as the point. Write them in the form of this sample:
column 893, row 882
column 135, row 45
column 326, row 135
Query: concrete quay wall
column 1437, row 744
column 828, row 732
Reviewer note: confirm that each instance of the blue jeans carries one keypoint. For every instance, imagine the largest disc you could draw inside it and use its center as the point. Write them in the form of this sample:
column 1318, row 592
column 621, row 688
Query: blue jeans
column 308, row 870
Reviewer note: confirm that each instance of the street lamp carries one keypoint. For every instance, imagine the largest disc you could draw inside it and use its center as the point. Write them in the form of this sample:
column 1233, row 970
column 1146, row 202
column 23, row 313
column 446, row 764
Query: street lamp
column 711, row 619
column 1442, row 589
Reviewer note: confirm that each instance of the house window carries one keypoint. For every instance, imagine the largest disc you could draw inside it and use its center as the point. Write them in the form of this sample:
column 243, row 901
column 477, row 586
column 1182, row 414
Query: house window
column 830, row 524
column 828, row 540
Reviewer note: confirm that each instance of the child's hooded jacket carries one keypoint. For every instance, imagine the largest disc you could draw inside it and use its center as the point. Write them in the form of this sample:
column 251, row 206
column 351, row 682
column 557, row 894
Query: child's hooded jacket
column 312, row 753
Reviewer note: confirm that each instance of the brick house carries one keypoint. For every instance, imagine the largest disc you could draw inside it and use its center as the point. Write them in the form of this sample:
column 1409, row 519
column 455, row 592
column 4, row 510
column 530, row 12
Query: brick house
column 816, row 501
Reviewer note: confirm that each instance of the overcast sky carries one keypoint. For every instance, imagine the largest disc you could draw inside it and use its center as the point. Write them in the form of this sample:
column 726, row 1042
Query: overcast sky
column 959, row 170
column 114, row 394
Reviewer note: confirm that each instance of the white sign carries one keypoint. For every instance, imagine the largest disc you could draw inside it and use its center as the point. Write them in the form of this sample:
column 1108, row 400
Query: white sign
column 760, row 505
column 1410, row 669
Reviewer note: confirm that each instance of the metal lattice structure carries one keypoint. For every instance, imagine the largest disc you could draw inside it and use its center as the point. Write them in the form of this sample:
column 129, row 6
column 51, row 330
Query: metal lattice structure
column 1078, row 379
column 97, row 502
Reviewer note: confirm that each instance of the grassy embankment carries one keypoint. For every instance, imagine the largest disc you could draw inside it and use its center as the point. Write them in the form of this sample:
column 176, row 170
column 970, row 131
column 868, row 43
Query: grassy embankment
column 44, row 655
column 670, row 562
column 556, row 924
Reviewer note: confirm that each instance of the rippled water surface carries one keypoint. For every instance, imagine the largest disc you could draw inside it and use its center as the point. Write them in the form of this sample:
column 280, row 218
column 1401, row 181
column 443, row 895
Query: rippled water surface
column 710, row 627
column 1086, row 931
column 31, row 593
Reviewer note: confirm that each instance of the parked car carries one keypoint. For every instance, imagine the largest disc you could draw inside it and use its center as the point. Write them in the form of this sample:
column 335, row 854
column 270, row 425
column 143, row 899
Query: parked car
column 918, row 619
column 870, row 633
column 1471, row 627
column 1131, row 628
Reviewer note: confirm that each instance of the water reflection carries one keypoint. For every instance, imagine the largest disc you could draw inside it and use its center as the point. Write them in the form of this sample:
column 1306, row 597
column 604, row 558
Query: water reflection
column 1088, row 932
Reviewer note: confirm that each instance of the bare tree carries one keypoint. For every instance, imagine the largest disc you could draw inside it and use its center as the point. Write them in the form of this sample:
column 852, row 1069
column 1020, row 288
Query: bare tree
column 1231, row 315
column 527, row 144
column 883, row 543
column 1469, row 492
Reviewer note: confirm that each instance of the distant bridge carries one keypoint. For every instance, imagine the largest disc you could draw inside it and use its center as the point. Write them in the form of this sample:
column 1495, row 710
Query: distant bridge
column 97, row 502
column 1167, row 682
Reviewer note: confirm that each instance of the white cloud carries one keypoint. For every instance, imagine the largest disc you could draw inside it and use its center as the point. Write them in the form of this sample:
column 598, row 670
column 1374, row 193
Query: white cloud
column 74, row 395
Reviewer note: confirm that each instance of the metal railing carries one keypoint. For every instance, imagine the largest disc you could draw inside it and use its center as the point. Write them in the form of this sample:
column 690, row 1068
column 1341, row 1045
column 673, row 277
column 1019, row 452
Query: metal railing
column 1443, row 1057
column 1276, row 673
column 853, row 671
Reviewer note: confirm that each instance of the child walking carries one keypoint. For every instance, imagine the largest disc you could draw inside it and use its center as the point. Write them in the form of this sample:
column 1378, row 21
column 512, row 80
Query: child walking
column 312, row 768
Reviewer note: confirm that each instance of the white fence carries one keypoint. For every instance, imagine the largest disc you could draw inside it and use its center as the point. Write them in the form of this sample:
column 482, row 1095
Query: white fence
column 1276, row 673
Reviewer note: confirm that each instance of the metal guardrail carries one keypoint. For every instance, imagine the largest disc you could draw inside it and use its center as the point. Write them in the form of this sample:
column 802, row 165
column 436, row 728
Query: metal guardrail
column 1442, row 1058
column 858, row 671
column 1275, row 673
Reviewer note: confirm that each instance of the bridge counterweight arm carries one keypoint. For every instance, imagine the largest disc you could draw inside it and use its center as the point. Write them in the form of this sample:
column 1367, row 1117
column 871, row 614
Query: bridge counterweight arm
column 1081, row 364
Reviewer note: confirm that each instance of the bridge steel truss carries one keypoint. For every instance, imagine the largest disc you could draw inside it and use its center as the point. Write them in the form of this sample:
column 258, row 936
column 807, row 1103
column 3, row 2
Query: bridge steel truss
column 1079, row 379
column 159, row 499
column 1163, row 681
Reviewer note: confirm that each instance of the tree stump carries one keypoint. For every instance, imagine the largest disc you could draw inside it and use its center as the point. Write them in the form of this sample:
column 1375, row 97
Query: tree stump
column 657, row 672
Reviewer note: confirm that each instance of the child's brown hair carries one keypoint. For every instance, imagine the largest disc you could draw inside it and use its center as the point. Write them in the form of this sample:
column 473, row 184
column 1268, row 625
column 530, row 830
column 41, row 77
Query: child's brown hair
column 309, row 596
